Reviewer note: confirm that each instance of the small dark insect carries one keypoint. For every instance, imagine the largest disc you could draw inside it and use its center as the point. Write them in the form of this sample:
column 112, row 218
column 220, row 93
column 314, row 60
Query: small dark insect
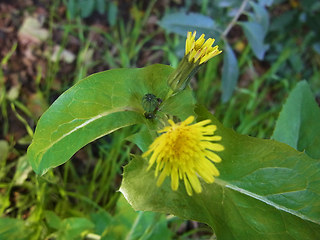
column 150, row 104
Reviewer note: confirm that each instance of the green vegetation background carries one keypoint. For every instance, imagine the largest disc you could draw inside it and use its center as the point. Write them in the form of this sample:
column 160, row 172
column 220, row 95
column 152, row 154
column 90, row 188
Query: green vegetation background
column 47, row 46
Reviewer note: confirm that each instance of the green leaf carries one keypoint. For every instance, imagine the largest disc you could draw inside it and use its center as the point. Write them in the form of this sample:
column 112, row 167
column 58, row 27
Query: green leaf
column 266, row 190
column 255, row 35
column 53, row 220
column 129, row 224
column 299, row 122
column 149, row 226
column 72, row 8
column 101, row 220
column 86, row 7
column 181, row 23
column 112, row 13
column 14, row 229
column 99, row 105
column 180, row 104
column 230, row 73
column 4, row 149
column 101, row 6
column 260, row 16
column 73, row 228
column 4, row 152
column 68, row 228
column 267, row 3
column 142, row 139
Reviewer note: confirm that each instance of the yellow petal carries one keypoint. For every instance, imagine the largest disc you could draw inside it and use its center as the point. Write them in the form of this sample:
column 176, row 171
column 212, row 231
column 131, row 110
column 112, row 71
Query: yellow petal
column 161, row 178
column 211, row 138
column 188, row 120
column 187, row 185
column 200, row 41
column 202, row 123
column 195, row 183
column 174, row 179
column 212, row 156
column 213, row 146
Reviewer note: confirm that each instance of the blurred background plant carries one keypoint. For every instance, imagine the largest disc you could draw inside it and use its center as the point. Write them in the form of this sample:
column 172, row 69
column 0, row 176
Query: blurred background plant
column 47, row 46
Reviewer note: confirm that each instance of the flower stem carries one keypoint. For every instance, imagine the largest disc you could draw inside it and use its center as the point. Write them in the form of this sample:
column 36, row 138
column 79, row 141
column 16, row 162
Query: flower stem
column 235, row 18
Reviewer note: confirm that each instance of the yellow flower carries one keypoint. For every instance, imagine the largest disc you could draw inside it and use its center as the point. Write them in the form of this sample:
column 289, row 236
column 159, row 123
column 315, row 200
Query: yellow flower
column 197, row 53
column 200, row 50
column 185, row 152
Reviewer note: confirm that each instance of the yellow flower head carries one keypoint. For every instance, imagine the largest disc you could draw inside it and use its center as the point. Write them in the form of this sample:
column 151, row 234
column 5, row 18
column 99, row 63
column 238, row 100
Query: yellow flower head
column 185, row 152
column 200, row 50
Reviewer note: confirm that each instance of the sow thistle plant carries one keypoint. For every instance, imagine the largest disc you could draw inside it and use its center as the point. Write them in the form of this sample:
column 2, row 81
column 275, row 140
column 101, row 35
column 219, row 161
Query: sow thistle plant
column 191, row 165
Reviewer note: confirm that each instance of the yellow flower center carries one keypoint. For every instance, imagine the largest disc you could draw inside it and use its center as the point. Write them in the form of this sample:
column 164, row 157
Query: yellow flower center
column 200, row 50
column 185, row 152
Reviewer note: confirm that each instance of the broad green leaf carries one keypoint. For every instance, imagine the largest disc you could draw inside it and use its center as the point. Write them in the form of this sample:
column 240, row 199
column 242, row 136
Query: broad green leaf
column 255, row 35
column 14, row 229
column 180, row 104
column 72, row 9
column 101, row 220
column 181, row 23
column 142, row 139
column 73, row 228
column 299, row 122
column 267, row 3
column 86, row 7
column 129, row 224
column 149, row 226
column 112, row 13
column 266, row 190
column 230, row 73
column 101, row 6
column 99, row 105
column 260, row 16
column 53, row 220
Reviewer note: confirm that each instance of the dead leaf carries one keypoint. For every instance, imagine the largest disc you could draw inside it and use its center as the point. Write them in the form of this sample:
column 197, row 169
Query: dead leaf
column 14, row 92
column 62, row 54
column 32, row 31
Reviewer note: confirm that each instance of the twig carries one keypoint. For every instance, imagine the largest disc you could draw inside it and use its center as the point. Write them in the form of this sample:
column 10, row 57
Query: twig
column 235, row 18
